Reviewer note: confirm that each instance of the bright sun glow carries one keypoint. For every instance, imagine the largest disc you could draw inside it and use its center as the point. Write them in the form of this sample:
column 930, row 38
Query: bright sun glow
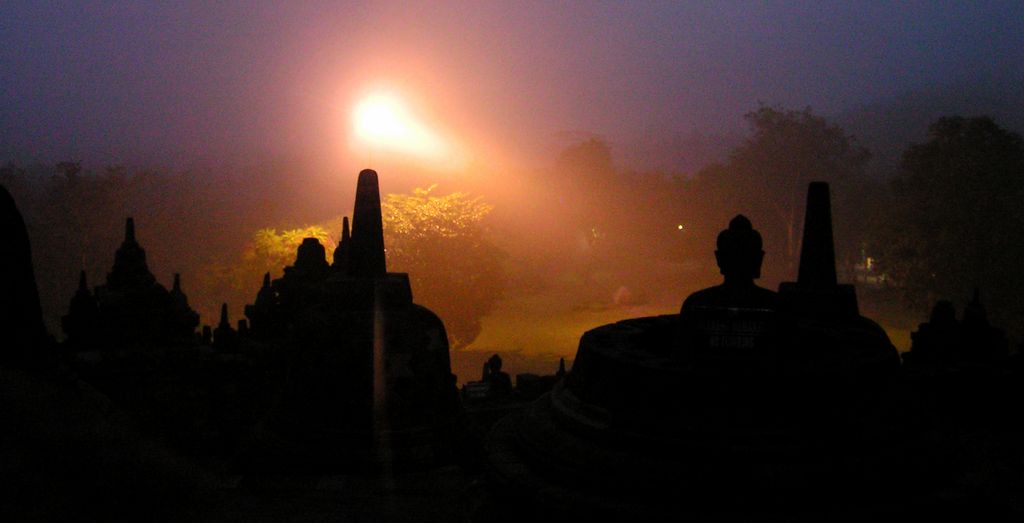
column 383, row 122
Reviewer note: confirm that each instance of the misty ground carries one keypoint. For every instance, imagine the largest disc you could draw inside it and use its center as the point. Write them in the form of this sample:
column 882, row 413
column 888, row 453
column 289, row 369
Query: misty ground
column 535, row 325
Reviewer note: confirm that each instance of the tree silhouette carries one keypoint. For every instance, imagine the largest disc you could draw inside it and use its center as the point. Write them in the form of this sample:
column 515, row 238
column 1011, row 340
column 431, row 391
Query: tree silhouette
column 767, row 175
column 958, row 222
column 455, row 269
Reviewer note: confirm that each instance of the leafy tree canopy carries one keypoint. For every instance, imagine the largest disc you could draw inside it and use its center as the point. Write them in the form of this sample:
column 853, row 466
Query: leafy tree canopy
column 440, row 240
column 273, row 250
column 766, row 177
column 957, row 221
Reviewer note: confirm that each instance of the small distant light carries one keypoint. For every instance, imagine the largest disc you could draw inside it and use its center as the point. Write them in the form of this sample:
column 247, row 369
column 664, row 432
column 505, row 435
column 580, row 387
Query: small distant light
column 680, row 227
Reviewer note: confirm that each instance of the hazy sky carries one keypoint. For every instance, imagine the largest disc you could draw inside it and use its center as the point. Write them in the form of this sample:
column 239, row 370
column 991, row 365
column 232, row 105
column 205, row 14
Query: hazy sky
column 177, row 82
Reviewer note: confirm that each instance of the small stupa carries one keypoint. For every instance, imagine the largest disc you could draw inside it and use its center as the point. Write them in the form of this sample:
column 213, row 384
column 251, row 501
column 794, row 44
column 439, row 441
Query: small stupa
column 81, row 321
column 261, row 312
column 225, row 338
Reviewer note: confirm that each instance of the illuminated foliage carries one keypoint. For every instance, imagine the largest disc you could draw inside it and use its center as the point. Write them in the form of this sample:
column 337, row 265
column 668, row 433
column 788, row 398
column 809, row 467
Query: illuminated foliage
column 271, row 250
column 422, row 214
column 442, row 242
column 268, row 251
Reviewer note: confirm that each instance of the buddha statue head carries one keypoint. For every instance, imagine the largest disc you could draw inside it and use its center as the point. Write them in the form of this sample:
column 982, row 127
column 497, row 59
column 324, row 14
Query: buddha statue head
column 739, row 251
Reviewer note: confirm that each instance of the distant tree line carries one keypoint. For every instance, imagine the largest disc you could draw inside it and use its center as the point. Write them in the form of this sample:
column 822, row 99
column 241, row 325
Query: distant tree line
column 955, row 219
column 947, row 221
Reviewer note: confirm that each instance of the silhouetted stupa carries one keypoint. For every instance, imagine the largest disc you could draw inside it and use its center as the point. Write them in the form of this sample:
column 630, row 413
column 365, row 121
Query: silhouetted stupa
column 132, row 311
column 370, row 383
column 261, row 312
column 225, row 338
column 945, row 342
column 341, row 252
column 816, row 292
column 182, row 320
column 81, row 322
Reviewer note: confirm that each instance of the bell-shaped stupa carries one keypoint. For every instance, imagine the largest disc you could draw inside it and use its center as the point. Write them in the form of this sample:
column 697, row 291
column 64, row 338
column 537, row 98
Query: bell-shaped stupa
column 746, row 404
column 369, row 378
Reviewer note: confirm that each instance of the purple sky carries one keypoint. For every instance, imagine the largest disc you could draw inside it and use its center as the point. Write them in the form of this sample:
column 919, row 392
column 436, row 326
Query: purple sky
column 174, row 83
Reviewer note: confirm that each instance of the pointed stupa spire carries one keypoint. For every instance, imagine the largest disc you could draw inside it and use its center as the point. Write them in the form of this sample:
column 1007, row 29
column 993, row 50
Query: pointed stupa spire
column 80, row 323
column 129, row 230
column 224, row 322
column 341, row 252
column 366, row 257
column 130, row 269
column 188, row 317
column 265, row 296
column 224, row 337
column 82, row 294
column 817, row 292
column 817, row 253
